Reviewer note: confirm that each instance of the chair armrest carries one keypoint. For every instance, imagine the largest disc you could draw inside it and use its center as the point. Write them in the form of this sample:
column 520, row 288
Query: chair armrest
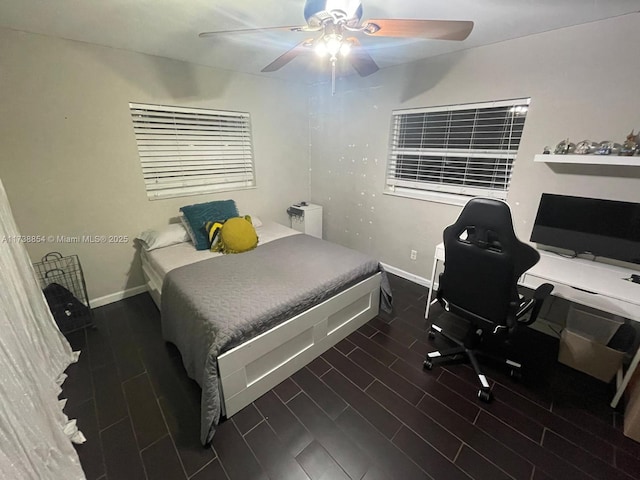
column 524, row 307
column 543, row 291
column 534, row 304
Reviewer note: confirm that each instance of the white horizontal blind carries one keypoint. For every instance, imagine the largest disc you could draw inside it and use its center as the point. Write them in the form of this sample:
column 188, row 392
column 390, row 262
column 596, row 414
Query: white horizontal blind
column 465, row 149
column 188, row 151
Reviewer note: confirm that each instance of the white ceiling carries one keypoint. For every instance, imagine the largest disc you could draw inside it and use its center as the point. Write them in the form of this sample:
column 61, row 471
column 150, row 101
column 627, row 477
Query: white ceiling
column 170, row 28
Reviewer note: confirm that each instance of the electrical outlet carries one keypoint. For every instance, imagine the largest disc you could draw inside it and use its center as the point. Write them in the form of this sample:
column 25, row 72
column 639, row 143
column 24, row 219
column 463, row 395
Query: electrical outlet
column 414, row 254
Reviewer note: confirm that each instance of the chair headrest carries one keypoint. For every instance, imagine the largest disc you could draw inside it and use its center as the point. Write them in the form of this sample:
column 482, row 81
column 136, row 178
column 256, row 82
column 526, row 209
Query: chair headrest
column 486, row 215
column 489, row 225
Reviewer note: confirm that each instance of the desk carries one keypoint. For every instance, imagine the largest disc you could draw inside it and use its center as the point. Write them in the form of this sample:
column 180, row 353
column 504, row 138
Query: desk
column 589, row 283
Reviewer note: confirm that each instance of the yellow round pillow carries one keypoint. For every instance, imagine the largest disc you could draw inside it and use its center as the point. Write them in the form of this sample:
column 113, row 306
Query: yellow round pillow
column 237, row 235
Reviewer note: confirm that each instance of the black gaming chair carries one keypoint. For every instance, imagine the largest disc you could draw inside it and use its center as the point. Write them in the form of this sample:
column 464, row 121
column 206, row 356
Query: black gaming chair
column 483, row 261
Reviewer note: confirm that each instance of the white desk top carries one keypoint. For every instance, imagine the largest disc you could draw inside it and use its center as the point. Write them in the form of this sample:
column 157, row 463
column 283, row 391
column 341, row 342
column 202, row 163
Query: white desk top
column 595, row 277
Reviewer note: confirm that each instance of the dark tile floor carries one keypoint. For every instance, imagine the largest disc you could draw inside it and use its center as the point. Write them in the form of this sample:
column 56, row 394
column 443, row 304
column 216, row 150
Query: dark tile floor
column 364, row 410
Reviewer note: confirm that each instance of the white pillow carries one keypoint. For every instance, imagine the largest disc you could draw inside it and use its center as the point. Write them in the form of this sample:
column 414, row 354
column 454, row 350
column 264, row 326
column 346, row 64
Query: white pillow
column 169, row 235
column 255, row 221
column 187, row 226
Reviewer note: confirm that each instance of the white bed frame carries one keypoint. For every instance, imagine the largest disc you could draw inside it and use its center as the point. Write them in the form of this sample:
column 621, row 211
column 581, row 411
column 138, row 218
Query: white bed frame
column 251, row 369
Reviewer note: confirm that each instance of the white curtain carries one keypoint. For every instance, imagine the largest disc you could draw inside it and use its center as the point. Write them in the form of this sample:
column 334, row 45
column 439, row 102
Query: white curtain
column 35, row 435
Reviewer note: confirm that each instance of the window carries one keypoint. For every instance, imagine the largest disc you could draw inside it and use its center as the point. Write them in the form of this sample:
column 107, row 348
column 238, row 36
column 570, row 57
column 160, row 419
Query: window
column 455, row 152
column 189, row 151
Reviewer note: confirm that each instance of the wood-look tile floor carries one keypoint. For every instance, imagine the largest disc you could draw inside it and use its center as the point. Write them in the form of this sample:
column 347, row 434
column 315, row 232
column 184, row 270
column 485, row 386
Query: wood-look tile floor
column 365, row 409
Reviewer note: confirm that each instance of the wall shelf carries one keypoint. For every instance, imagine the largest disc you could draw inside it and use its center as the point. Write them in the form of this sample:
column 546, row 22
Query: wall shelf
column 589, row 159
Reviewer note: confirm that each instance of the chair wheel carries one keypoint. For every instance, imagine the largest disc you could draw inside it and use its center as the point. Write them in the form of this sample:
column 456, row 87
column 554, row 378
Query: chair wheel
column 515, row 374
column 485, row 395
column 428, row 364
column 431, row 334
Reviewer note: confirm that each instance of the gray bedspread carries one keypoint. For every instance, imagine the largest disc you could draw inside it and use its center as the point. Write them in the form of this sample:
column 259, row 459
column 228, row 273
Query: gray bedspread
column 211, row 306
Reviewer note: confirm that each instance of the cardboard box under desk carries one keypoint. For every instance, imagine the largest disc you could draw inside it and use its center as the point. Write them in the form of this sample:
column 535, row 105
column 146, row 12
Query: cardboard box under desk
column 589, row 356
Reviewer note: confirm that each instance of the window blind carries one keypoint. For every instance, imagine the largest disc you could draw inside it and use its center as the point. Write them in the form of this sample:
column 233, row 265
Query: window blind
column 465, row 149
column 189, row 151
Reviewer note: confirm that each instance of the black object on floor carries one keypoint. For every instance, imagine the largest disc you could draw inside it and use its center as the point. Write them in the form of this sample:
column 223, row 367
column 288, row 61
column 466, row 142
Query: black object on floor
column 63, row 285
column 69, row 313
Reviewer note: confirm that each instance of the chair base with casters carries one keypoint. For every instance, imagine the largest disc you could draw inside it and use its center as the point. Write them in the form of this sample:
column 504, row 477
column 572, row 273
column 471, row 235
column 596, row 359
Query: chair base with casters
column 469, row 346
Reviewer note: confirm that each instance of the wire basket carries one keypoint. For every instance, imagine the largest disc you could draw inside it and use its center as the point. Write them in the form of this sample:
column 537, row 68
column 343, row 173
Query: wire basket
column 63, row 285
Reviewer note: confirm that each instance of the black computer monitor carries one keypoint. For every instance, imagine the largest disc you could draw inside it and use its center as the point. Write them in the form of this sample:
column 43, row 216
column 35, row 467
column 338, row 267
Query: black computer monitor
column 604, row 228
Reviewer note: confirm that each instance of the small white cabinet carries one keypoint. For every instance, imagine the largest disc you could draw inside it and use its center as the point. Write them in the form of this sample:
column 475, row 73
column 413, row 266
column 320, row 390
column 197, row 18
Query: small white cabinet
column 306, row 219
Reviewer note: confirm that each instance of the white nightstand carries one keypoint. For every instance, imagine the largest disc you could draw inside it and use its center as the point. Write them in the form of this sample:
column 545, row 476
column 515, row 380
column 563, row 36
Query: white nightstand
column 306, row 219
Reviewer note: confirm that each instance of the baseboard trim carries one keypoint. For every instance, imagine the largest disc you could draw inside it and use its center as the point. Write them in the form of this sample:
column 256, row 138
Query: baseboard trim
column 115, row 297
column 406, row 275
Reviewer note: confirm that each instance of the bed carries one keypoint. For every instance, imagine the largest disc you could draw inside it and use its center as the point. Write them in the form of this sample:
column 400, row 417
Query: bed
column 243, row 323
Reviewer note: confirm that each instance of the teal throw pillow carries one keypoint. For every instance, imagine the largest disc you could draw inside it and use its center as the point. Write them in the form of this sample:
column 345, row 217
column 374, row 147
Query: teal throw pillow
column 199, row 214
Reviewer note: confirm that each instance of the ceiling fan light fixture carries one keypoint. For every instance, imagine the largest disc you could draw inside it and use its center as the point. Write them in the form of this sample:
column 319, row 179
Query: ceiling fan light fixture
column 321, row 48
column 333, row 43
column 345, row 48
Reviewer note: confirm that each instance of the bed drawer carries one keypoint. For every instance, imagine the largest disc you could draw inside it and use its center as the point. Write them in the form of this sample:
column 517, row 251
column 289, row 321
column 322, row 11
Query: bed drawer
column 253, row 368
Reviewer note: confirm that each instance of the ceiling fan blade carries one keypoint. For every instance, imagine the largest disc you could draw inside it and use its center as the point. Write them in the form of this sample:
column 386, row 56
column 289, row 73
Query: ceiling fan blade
column 360, row 59
column 294, row 28
column 434, row 29
column 286, row 57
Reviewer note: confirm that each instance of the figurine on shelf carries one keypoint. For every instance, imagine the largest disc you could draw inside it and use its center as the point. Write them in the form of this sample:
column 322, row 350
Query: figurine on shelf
column 564, row 147
column 586, row 147
column 630, row 145
column 608, row 148
column 546, row 151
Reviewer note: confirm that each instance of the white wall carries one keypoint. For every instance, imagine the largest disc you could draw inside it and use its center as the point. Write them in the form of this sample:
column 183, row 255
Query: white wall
column 583, row 82
column 69, row 160
column 70, row 166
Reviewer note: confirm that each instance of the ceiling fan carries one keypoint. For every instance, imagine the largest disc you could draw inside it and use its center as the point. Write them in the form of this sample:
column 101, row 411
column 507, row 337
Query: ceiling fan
column 335, row 21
